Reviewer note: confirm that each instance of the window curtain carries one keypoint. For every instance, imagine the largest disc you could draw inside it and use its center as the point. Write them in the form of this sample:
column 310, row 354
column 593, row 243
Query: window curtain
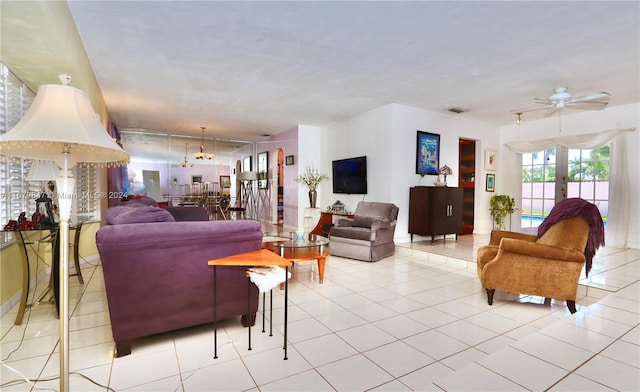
column 117, row 178
column 619, row 192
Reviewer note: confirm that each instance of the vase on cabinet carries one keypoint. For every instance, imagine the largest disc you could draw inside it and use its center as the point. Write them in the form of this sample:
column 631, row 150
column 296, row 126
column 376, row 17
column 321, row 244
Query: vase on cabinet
column 313, row 196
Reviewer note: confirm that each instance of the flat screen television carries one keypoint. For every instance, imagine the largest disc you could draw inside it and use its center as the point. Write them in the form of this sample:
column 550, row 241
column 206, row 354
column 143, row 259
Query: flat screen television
column 350, row 175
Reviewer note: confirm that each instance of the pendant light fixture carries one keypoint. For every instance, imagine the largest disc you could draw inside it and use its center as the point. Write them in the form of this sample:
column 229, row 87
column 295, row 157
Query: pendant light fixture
column 185, row 163
column 203, row 153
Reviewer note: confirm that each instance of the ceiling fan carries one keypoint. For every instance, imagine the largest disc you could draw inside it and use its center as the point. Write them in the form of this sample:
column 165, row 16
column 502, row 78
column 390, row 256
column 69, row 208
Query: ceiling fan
column 563, row 99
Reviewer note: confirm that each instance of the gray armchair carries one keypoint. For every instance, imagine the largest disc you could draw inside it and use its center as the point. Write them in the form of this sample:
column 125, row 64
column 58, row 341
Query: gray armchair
column 368, row 236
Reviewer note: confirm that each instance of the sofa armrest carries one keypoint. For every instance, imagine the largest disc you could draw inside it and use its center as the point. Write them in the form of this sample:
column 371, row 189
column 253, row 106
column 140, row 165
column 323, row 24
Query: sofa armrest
column 344, row 222
column 533, row 249
column 380, row 224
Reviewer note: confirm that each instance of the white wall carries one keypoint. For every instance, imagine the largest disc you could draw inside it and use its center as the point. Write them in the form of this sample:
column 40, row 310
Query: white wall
column 369, row 134
column 387, row 136
column 574, row 122
column 309, row 153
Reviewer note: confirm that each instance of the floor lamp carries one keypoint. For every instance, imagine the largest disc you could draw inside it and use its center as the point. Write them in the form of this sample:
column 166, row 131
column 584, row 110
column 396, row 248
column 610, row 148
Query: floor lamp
column 248, row 198
column 62, row 126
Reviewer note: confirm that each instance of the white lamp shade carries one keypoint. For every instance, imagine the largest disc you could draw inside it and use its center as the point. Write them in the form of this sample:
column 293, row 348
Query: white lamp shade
column 42, row 171
column 62, row 116
column 248, row 176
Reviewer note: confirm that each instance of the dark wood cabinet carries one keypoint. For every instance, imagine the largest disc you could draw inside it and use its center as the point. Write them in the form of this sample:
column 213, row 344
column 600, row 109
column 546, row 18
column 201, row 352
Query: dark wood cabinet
column 435, row 211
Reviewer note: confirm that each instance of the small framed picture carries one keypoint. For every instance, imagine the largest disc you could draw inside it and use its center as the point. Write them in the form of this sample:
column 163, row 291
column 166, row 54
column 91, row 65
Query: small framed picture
column 491, row 183
column 263, row 169
column 246, row 164
column 288, row 160
column 490, row 158
column 196, row 178
column 225, row 182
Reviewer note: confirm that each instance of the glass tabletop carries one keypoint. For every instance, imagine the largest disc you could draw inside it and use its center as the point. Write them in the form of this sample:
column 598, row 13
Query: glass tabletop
column 286, row 240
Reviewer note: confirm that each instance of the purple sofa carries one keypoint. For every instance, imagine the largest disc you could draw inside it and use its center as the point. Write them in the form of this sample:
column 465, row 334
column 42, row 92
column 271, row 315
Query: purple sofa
column 156, row 274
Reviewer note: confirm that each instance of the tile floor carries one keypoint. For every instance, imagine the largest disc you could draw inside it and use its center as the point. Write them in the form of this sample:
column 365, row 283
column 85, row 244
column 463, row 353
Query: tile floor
column 415, row 321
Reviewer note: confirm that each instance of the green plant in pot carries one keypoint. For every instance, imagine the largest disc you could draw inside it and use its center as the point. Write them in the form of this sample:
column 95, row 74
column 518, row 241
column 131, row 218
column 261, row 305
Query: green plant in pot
column 501, row 206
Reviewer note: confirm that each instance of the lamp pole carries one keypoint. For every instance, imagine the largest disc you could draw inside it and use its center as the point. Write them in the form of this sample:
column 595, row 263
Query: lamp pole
column 65, row 198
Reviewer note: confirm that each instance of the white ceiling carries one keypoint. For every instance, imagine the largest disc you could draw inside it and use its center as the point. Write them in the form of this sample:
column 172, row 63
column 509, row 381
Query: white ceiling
column 246, row 69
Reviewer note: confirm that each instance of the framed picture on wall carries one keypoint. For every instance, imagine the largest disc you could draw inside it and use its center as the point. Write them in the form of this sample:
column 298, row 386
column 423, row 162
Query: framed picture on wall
column 225, row 182
column 288, row 160
column 490, row 158
column 491, row 183
column 427, row 153
column 263, row 169
column 196, row 178
column 246, row 164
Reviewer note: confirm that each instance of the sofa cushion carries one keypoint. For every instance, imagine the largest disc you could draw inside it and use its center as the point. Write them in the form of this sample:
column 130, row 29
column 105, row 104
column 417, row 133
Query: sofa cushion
column 369, row 222
column 188, row 214
column 120, row 215
column 356, row 233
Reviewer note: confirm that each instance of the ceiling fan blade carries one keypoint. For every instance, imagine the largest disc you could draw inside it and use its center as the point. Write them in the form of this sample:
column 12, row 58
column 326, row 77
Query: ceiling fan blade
column 550, row 112
column 587, row 105
column 591, row 97
column 530, row 110
column 545, row 101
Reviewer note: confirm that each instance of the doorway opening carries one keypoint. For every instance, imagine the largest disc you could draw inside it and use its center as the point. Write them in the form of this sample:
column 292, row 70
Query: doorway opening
column 280, row 188
column 466, row 181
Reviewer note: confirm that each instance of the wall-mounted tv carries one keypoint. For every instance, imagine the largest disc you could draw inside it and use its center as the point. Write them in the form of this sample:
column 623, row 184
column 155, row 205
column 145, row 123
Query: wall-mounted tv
column 350, row 175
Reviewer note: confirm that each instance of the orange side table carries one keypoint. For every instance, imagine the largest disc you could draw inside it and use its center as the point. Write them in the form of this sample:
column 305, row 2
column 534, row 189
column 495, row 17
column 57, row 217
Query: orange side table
column 258, row 258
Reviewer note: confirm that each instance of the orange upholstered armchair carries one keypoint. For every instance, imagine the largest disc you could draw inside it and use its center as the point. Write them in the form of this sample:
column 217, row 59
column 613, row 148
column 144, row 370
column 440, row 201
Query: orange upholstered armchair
column 547, row 264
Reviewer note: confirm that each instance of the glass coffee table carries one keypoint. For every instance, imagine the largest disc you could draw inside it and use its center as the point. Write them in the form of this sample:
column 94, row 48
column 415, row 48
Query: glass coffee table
column 312, row 247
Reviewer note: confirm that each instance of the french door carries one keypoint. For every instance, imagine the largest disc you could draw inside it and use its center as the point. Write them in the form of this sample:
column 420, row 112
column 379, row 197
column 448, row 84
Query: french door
column 559, row 173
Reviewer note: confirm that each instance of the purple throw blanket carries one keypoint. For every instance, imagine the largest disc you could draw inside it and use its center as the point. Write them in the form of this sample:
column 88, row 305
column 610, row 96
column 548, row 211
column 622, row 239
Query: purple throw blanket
column 570, row 208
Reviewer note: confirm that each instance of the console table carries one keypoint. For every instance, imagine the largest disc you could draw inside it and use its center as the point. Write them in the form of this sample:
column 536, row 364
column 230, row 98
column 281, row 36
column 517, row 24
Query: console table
column 45, row 236
column 325, row 221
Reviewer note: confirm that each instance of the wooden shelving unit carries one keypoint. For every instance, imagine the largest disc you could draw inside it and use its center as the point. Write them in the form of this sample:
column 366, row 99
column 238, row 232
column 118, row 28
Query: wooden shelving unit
column 466, row 181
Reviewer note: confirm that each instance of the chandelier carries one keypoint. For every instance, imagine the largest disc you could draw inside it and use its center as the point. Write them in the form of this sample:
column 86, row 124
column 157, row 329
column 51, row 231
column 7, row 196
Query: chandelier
column 185, row 163
column 202, row 154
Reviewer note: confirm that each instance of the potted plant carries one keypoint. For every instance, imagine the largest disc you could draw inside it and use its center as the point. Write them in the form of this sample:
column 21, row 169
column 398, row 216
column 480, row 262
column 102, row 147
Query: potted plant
column 501, row 205
column 312, row 178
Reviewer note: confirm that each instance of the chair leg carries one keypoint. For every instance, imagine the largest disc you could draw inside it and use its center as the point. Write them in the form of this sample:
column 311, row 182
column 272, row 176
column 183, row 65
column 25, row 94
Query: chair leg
column 490, row 293
column 572, row 306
